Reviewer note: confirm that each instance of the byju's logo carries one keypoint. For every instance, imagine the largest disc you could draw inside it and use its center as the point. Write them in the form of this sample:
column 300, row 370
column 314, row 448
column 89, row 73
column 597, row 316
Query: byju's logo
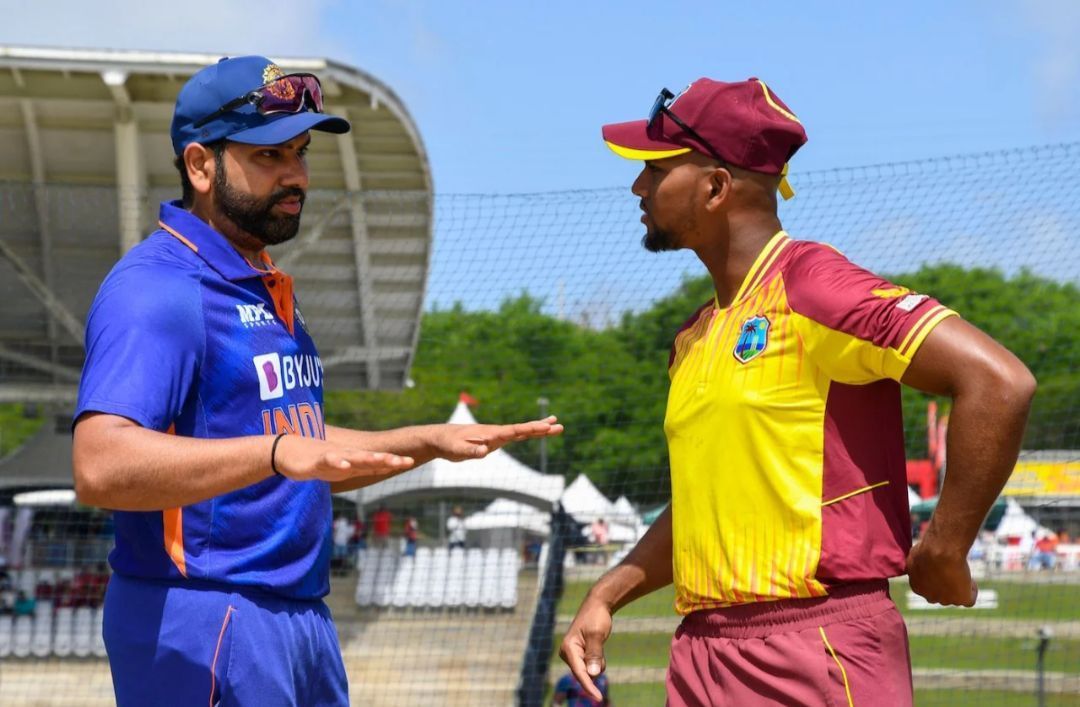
column 268, row 368
column 253, row 315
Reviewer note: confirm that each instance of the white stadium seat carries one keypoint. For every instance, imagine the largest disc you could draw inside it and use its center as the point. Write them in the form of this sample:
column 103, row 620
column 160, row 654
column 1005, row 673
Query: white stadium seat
column 7, row 627
column 64, row 636
column 403, row 579
column 97, row 645
column 455, row 579
column 41, row 645
column 418, row 588
column 489, row 589
column 509, row 565
column 366, row 566
column 22, row 636
column 437, row 578
column 474, row 576
column 82, row 632
column 384, row 576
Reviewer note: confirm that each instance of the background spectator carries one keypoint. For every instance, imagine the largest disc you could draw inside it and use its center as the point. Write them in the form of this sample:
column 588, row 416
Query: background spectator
column 411, row 530
column 380, row 527
column 455, row 528
column 568, row 692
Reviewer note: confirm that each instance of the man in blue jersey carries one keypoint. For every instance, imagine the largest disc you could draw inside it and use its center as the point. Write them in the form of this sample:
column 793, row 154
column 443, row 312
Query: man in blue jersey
column 200, row 419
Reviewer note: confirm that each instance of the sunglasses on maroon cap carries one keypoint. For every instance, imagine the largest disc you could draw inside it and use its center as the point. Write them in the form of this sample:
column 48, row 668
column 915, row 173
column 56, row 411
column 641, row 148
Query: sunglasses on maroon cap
column 662, row 106
column 288, row 94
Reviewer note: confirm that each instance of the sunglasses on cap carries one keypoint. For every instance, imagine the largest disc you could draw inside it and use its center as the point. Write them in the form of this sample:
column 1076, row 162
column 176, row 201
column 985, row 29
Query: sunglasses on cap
column 662, row 106
column 288, row 94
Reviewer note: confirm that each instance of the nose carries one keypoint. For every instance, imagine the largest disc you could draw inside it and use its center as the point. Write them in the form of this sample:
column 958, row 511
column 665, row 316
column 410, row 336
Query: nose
column 296, row 172
column 638, row 188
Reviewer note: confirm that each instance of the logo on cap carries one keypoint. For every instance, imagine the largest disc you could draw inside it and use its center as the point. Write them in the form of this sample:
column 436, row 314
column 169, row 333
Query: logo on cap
column 272, row 72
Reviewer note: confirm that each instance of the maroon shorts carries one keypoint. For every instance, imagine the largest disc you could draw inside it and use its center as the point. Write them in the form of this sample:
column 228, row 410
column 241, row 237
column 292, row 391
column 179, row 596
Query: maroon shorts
column 849, row 648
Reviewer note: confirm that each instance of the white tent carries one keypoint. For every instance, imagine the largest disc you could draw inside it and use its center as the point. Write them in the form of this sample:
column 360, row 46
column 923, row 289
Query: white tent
column 1017, row 523
column 912, row 497
column 584, row 502
column 498, row 474
column 504, row 513
column 625, row 513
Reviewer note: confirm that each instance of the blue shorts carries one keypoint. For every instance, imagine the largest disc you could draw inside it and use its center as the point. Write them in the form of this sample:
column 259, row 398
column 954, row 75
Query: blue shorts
column 197, row 644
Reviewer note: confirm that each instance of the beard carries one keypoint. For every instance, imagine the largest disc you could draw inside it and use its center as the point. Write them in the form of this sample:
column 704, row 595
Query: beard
column 658, row 241
column 255, row 216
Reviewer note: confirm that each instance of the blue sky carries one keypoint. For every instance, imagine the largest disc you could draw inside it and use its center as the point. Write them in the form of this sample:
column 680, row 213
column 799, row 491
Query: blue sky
column 509, row 96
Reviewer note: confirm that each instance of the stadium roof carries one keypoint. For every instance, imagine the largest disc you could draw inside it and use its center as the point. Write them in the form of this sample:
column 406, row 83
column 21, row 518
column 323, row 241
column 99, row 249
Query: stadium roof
column 85, row 157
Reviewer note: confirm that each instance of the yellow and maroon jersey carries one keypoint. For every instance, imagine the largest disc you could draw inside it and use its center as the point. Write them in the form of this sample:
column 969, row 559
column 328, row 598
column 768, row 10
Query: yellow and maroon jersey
column 785, row 430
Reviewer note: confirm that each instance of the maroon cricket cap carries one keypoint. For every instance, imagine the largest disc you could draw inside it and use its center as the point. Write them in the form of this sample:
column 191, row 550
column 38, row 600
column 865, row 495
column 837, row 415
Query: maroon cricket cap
column 743, row 122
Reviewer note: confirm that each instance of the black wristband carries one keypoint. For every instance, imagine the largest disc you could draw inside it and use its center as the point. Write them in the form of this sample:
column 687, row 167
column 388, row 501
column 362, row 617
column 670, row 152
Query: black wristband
column 273, row 452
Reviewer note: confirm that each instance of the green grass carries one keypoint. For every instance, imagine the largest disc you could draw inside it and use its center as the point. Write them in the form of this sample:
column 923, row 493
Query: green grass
column 659, row 603
column 987, row 653
column 1016, row 600
column 645, row 694
column 650, row 694
column 989, row 698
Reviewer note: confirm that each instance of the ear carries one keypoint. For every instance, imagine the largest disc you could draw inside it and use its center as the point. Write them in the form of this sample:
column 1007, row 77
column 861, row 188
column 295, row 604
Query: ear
column 720, row 185
column 201, row 166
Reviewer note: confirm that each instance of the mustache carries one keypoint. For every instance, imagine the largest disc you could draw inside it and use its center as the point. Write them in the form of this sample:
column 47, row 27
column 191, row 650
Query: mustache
column 287, row 193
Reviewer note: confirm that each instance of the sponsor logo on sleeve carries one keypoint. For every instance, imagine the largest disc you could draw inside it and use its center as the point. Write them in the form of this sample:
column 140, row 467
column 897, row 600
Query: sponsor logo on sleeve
column 909, row 303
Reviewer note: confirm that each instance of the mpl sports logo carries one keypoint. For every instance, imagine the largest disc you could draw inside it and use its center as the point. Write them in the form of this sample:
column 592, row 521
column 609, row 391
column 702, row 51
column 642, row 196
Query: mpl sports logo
column 253, row 315
column 278, row 373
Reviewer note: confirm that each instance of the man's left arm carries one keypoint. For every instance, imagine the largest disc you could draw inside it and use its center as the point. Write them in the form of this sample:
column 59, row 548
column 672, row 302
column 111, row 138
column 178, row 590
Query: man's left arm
column 426, row 442
column 991, row 390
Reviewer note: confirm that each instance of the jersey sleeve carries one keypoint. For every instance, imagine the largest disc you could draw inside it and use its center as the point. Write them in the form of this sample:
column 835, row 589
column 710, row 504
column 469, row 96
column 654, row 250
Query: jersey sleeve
column 144, row 343
column 856, row 326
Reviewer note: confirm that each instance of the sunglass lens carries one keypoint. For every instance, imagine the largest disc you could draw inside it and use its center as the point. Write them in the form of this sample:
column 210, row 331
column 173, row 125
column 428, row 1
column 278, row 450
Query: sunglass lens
column 287, row 95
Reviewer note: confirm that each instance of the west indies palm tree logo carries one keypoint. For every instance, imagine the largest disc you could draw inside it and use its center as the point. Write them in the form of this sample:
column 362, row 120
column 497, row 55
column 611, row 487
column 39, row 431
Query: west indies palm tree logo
column 753, row 338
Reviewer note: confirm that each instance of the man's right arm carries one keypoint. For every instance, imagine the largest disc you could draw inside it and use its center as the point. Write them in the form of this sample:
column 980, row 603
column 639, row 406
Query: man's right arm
column 646, row 569
column 121, row 465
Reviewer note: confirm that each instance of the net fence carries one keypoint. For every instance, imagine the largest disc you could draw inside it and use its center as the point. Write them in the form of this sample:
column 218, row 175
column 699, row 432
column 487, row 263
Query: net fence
column 453, row 584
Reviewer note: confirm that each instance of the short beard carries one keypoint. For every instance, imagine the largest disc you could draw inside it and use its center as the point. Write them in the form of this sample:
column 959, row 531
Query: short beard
column 253, row 215
column 658, row 241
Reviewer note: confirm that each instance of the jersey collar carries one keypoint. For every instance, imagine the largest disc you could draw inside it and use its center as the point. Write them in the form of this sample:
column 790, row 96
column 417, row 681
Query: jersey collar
column 759, row 269
column 210, row 245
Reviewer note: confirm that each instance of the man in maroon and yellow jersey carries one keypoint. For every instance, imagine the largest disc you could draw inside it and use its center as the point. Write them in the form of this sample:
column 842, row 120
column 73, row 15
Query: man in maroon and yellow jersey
column 788, row 511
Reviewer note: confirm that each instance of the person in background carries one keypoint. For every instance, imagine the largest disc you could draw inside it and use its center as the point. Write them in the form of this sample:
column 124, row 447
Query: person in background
column 455, row 528
column 600, row 535
column 1045, row 554
column 380, row 527
column 342, row 535
column 411, row 530
column 568, row 691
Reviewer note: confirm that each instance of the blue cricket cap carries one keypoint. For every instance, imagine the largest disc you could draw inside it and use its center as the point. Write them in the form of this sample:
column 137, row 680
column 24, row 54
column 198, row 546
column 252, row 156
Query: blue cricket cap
column 214, row 86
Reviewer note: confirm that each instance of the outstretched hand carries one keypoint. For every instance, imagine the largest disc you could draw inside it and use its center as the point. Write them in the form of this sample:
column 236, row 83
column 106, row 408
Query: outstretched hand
column 304, row 458
column 461, row 442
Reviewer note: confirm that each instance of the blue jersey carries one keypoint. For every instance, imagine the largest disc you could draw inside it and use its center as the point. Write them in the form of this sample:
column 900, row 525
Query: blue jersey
column 186, row 337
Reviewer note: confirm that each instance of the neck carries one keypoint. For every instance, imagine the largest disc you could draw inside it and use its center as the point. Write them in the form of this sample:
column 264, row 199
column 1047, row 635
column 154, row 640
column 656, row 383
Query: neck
column 245, row 244
column 730, row 259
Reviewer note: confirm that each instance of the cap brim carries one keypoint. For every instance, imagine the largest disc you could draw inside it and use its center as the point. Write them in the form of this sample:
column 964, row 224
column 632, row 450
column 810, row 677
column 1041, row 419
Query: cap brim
column 287, row 127
column 630, row 140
